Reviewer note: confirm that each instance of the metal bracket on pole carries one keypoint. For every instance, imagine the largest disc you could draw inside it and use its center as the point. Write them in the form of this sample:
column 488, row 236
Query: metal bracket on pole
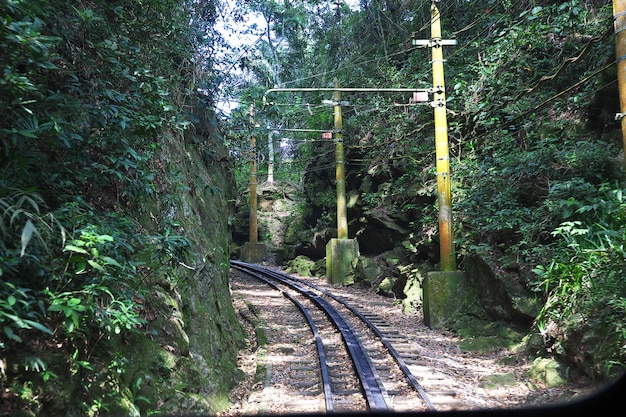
column 438, row 90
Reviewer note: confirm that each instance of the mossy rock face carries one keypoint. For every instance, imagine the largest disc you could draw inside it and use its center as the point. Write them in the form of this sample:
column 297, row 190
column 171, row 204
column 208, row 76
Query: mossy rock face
column 498, row 380
column 412, row 276
column 385, row 286
column 169, row 326
column 319, row 268
column 486, row 336
column 294, row 233
column 274, row 215
column 548, row 372
column 365, row 270
column 413, row 299
column 501, row 296
column 302, row 265
column 185, row 358
column 403, row 282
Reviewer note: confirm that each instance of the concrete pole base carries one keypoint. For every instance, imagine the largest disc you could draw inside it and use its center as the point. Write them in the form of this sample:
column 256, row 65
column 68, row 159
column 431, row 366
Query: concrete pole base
column 442, row 297
column 339, row 256
column 253, row 253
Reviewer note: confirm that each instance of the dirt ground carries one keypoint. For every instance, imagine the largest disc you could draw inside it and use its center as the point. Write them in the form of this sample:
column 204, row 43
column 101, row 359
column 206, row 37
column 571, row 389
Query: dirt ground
column 493, row 379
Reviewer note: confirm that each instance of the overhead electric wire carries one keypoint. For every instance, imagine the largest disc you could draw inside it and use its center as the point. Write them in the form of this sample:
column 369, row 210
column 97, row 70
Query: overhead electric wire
column 363, row 162
column 360, row 63
column 554, row 97
column 543, row 79
column 457, row 51
column 342, row 66
column 566, row 62
column 430, row 21
column 345, row 66
column 481, row 33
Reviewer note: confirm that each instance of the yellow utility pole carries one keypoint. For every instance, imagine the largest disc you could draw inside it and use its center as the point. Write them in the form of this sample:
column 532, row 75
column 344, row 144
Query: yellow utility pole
column 446, row 237
column 253, row 251
column 341, row 251
column 619, row 17
column 340, row 174
column 254, row 231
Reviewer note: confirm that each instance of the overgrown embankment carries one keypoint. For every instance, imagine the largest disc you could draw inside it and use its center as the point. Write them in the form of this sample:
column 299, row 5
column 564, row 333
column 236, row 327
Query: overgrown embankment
column 115, row 191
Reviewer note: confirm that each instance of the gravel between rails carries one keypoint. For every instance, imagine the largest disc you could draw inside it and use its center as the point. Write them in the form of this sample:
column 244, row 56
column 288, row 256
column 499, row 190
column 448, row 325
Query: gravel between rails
column 467, row 373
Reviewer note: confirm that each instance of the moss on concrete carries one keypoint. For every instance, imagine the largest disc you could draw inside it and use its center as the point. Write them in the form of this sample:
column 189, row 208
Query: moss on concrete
column 442, row 292
column 340, row 254
column 487, row 336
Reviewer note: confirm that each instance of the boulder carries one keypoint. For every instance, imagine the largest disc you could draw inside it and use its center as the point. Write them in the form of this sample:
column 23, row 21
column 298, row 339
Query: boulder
column 500, row 294
column 548, row 371
column 365, row 270
column 302, row 265
column 380, row 230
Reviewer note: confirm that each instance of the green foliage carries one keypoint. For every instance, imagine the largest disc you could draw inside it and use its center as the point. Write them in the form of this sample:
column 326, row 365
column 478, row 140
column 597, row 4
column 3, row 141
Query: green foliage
column 88, row 90
column 84, row 290
column 22, row 217
column 586, row 277
column 170, row 249
column 85, row 101
column 19, row 309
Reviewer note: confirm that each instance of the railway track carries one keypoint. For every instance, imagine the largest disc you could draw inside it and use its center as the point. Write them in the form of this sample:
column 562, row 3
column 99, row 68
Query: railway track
column 333, row 354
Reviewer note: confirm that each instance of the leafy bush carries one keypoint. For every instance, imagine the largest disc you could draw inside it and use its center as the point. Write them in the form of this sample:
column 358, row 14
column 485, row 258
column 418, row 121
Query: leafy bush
column 586, row 279
column 87, row 91
column 76, row 285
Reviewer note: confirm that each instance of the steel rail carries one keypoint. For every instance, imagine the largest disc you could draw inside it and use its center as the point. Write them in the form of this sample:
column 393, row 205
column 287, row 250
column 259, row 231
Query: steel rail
column 394, row 353
column 324, row 374
column 375, row 393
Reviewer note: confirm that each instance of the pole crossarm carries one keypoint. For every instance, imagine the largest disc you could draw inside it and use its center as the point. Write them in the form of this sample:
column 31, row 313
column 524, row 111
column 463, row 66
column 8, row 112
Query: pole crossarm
column 346, row 90
column 302, row 130
column 433, row 43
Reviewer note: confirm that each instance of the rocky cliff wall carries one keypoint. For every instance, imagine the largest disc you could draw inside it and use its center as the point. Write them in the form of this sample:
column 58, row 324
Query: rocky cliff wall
column 187, row 357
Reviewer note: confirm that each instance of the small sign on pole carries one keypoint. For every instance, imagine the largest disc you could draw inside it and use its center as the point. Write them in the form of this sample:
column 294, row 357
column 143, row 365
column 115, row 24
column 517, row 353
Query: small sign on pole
column 420, row 96
column 327, row 135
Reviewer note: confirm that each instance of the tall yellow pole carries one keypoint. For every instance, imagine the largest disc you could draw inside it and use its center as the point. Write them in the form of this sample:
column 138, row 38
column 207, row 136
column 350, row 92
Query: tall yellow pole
column 340, row 175
column 446, row 238
column 254, row 231
column 619, row 17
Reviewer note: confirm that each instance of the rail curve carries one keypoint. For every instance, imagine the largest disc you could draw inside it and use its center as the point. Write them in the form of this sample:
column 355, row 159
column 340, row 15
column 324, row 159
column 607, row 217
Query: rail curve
column 376, row 395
